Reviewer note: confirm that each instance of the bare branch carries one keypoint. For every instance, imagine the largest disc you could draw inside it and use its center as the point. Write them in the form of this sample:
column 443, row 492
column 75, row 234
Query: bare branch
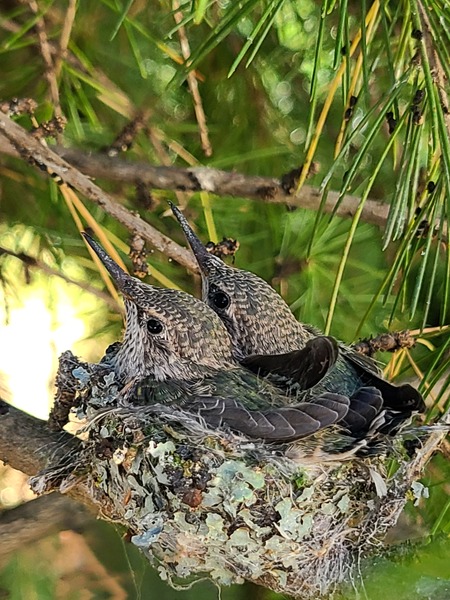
column 221, row 183
column 39, row 518
column 26, row 442
column 192, row 80
column 45, row 159
column 69, row 19
column 50, row 72
column 28, row 445
column 437, row 70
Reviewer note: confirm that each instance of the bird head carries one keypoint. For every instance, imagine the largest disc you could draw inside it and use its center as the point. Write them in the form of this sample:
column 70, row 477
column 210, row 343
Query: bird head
column 257, row 318
column 168, row 333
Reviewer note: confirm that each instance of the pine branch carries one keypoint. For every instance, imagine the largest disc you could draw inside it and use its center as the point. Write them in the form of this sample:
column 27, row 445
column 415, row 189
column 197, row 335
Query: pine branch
column 32, row 151
column 192, row 179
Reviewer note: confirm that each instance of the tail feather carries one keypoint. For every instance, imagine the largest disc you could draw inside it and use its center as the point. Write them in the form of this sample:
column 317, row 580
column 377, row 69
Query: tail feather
column 398, row 397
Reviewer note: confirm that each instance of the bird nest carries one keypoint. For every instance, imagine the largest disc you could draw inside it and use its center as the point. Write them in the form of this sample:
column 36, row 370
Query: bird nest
column 202, row 501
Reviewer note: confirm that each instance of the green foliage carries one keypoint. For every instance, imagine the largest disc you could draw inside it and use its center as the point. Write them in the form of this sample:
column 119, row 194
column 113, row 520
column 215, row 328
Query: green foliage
column 358, row 88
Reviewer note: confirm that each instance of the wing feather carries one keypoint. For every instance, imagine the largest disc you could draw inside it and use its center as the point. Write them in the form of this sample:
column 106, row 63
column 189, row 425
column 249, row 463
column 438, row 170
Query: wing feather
column 273, row 424
column 305, row 367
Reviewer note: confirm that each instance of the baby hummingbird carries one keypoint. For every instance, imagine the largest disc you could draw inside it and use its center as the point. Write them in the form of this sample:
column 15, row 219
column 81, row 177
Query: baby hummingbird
column 268, row 339
column 177, row 351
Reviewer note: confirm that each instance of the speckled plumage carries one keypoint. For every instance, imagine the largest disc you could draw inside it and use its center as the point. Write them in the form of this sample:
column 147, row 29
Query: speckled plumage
column 177, row 350
column 260, row 323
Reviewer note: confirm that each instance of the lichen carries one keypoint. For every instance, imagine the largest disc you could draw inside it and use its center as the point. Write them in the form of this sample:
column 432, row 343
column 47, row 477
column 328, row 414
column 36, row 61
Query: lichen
column 199, row 500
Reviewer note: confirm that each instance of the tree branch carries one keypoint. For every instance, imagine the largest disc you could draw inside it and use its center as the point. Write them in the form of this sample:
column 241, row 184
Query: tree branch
column 28, row 445
column 192, row 179
column 39, row 518
column 221, row 183
column 437, row 71
column 31, row 150
column 26, row 442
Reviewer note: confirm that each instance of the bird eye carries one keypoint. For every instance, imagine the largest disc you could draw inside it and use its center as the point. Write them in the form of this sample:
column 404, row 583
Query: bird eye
column 154, row 326
column 221, row 300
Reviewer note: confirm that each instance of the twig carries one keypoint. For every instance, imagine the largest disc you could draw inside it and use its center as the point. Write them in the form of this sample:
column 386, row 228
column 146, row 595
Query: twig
column 126, row 137
column 437, row 72
column 45, row 159
column 50, row 72
column 385, row 342
column 192, row 81
column 414, row 468
column 65, row 36
column 30, row 261
column 156, row 139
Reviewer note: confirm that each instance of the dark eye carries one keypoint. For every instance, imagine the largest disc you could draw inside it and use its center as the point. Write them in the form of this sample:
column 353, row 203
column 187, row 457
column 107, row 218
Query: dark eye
column 154, row 326
column 221, row 300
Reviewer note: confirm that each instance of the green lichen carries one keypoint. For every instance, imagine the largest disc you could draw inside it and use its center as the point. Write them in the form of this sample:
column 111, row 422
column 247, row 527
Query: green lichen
column 199, row 500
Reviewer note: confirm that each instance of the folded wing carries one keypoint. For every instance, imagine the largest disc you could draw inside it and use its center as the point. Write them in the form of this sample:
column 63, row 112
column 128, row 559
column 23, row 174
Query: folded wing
column 273, row 424
column 301, row 368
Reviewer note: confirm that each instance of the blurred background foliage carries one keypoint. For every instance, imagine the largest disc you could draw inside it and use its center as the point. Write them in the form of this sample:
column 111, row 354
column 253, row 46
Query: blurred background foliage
column 353, row 94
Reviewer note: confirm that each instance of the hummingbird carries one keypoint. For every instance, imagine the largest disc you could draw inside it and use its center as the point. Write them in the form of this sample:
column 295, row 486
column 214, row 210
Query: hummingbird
column 268, row 340
column 177, row 351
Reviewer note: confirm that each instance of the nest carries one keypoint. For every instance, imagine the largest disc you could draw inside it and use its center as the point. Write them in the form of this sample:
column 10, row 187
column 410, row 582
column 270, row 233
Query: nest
column 201, row 501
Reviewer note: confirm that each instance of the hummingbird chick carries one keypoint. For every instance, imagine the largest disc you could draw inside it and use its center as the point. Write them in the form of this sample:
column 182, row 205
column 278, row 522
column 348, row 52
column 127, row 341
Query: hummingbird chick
column 269, row 340
column 177, row 351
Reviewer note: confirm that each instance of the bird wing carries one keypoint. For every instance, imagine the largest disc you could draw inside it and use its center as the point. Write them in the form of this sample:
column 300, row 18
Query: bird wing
column 273, row 424
column 303, row 368
column 366, row 405
column 360, row 361
column 398, row 397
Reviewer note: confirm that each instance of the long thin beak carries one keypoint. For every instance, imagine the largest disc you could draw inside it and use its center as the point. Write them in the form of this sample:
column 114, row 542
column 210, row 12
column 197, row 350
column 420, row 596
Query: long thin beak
column 204, row 258
column 125, row 283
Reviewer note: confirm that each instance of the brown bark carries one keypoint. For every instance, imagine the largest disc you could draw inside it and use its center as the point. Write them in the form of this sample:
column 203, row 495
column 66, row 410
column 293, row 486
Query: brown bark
column 75, row 168
column 40, row 156
column 28, row 445
column 37, row 519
